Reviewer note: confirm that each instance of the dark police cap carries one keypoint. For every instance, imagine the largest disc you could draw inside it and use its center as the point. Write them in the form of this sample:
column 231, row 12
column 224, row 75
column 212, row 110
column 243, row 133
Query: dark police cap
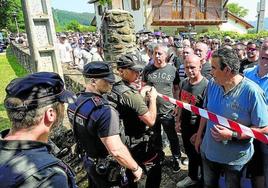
column 130, row 61
column 99, row 69
column 37, row 90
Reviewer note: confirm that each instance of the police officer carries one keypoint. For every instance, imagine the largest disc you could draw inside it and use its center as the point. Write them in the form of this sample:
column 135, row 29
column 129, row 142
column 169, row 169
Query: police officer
column 137, row 117
column 96, row 127
column 34, row 106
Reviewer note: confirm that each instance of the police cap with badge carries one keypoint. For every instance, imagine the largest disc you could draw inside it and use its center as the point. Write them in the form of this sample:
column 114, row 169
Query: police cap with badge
column 99, row 69
column 36, row 90
column 130, row 61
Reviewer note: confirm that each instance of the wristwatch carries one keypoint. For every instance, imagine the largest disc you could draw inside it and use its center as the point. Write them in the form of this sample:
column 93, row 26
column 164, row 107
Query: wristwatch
column 234, row 136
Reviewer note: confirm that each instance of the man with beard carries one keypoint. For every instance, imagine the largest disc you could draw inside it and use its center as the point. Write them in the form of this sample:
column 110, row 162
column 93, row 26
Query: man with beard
column 34, row 106
column 97, row 131
column 165, row 79
column 252, row 57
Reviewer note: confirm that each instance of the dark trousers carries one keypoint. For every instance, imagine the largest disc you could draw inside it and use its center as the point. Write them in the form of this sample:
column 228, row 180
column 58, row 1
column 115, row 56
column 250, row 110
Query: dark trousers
column 213, row 170
column 142, row 154
column 195, row 160
column 94, row 179
column 168, row 123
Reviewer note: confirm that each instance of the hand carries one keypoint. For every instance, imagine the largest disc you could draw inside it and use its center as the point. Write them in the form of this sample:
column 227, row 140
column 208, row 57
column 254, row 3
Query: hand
column 197, row 143
column 138, row 174
column 178, row 125
column 220, row 133
column 193, row 138
column 152, row 94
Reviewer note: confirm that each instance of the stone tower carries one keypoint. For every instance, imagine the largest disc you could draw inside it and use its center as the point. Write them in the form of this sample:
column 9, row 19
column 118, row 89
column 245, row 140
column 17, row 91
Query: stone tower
column 118, row 34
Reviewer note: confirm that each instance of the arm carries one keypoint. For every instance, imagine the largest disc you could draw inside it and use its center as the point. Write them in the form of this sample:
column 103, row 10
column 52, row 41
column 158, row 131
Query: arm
column 199, row 134
column 149, row 117
column 120, row 152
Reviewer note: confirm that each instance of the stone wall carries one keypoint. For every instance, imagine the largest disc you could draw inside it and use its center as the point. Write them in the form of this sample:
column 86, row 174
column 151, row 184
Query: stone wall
column 118, row 34
column 23, row 56
column 73, row 78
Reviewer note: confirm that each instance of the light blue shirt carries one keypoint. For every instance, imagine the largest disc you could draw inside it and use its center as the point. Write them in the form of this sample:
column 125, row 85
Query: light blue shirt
column 252, row 74
column 246, row 104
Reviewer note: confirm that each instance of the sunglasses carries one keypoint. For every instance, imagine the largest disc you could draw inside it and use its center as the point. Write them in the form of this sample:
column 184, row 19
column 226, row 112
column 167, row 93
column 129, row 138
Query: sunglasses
column 215, row 43
column 251, row 49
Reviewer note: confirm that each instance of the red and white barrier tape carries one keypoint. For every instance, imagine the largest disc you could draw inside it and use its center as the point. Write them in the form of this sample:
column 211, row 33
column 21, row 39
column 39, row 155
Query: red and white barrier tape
column 218, row 119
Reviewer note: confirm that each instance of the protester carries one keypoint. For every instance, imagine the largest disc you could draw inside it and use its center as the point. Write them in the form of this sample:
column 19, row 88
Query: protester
column 164, row 78
column 259, row 74
column 234, row 97
column 192, row 92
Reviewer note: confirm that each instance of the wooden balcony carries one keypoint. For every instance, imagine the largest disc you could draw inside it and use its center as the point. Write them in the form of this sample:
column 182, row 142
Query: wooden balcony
column 168, row 15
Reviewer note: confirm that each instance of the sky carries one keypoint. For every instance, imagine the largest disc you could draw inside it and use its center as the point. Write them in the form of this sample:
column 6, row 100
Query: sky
column 83, row 6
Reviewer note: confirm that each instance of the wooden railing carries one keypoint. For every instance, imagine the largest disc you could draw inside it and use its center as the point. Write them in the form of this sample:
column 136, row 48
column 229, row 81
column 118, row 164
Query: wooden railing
column 188, row 13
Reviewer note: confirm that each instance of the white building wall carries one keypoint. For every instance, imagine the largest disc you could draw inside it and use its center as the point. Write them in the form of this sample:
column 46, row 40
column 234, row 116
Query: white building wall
column 232, row 26
column 138, row 15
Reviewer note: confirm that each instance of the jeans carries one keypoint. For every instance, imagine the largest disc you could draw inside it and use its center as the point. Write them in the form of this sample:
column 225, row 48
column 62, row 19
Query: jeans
column 168, row 123
column 213, row 170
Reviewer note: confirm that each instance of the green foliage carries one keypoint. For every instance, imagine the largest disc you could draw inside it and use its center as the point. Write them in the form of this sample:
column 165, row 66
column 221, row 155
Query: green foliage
column 103, row 2
column 9, row 9
column 73, row 25
column 237, row 10
column 84, row 28
column 62, row 17
column 234, row 35
column 9, row 69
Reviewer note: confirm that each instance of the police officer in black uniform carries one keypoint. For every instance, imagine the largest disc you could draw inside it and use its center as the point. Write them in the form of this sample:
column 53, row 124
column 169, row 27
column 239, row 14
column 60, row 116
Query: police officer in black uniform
column 34, row 106
column 137, row 117
column 96, row 127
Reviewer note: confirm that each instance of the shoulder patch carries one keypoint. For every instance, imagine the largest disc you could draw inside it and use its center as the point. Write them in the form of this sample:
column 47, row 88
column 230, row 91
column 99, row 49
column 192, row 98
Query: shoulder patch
column 97, row 100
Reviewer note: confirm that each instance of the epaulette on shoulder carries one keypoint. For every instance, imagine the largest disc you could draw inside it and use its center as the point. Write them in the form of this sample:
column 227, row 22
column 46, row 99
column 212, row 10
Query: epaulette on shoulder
column 98, row 101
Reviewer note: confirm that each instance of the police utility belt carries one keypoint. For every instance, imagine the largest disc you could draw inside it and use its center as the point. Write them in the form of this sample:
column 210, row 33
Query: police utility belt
column 132, row 141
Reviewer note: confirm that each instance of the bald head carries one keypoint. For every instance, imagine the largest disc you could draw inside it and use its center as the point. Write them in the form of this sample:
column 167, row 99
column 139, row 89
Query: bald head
column 192, row 65
column 192, row 58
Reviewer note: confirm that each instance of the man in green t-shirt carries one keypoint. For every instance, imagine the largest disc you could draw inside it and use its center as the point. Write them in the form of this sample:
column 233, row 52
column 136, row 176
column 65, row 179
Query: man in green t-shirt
column 137, row 118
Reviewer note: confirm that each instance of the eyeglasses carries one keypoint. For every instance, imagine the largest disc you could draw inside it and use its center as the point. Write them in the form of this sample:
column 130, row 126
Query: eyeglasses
column 251, row 49
column 215, row 43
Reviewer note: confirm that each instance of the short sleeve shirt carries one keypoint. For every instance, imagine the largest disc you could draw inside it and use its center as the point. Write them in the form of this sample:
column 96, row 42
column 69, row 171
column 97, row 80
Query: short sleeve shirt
column 163, row 79
column 245, row 104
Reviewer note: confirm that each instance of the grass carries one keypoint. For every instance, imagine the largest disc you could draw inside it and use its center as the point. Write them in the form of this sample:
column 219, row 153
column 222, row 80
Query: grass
column 9, row 69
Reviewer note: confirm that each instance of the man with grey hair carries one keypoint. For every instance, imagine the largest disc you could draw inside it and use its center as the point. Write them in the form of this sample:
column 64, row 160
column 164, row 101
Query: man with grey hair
column 164, row 78
column 201, row 50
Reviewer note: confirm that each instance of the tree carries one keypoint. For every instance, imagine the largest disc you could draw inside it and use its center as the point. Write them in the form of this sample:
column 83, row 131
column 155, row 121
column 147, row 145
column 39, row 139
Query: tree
column 103, row 2
column 73, row 25
column 237, row 10
column 9, row 9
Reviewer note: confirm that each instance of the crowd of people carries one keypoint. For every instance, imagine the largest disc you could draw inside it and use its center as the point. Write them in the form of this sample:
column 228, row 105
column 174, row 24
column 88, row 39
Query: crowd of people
column 121, row 126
